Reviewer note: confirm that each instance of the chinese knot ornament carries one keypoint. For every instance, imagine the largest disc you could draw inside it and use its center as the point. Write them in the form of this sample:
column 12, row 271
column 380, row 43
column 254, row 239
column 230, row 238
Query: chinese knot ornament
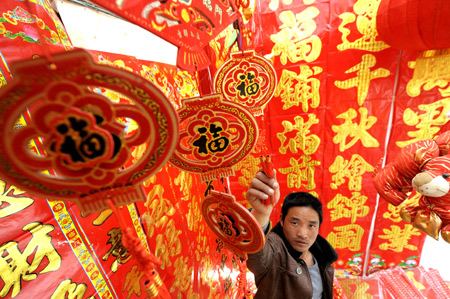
column 232, row 223
column 214, row 135
column 248, row 79
column 84, row 148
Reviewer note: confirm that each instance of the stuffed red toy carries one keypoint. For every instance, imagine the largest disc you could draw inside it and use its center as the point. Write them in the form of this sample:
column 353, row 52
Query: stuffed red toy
column 425, row 166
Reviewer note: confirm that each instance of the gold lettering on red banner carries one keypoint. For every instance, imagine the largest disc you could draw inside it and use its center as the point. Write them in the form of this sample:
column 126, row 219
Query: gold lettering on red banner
column 248, row 167
column 393, row 212
column 353, row 170
column 168, row 244
column 398, row 238
column 308, row 143
column 352, row 208
column 363, row 77
column 184, row 180
column 346, row 237
column 10, row 201
column 70, row 290
column 299, row 89
column 17, row 265
column 296, row 41
column 430, row 71
column 202, row 243
column 102, row 217
column 183, row 275
column 117, row 249
column 427, row 123
column 354, row 131
column 364, row 17
column 301, row 173
column 132, row 284
column 159, row 210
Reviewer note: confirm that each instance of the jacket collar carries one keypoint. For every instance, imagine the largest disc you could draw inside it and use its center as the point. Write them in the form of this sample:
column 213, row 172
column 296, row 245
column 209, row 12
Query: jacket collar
column 321, row 249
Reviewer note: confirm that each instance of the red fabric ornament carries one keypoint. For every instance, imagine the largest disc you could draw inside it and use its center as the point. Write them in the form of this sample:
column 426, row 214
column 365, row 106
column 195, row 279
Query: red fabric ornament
column 85, row 145
column 189, row 25
column 214, row 135
column 248, row 79
column 414, row 24
column 154, row 286
column 232, row 223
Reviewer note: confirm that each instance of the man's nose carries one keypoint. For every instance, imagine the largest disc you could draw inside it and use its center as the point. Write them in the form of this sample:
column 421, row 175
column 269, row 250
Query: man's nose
column 301, row 231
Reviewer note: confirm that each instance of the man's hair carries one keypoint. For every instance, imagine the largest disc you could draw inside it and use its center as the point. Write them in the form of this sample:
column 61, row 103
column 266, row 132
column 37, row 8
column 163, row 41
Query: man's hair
column 301, row 199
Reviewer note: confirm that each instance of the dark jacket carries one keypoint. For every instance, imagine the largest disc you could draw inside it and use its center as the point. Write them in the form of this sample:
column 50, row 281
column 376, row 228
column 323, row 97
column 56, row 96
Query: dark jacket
column 279, row 275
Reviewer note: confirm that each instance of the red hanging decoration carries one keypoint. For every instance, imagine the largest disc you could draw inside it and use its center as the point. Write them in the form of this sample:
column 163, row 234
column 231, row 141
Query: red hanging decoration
column 414, row 24
column 248, row 79
column 232, row 223
column 86, row 149
column 154, row 286
column 214, row 135
column 189, row 25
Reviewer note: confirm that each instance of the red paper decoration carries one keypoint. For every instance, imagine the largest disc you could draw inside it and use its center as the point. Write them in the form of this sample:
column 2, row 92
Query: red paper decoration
column 232, row 223
column 214, row 135
column 248, row 79
column 85, row 145
column 189, row 25
column 414, row 24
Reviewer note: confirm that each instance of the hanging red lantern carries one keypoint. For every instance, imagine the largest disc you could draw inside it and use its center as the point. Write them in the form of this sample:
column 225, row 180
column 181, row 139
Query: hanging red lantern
column 214, row 135
column 86, row 150
column 414, row 24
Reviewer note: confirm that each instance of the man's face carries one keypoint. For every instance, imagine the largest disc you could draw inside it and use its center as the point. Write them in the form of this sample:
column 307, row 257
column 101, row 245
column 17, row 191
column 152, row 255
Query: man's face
column 301, row 227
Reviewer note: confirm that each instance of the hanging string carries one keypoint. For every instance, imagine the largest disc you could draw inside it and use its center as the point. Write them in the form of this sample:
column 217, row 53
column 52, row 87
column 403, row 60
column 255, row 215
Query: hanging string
column 199, row 87
column 154, row 286
column 44, row 45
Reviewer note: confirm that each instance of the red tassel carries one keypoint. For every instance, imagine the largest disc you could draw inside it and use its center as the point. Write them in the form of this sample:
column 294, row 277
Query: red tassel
column 154, row 286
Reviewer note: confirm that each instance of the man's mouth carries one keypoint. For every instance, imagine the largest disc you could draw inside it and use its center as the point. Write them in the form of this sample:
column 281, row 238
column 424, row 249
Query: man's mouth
column 301, row 242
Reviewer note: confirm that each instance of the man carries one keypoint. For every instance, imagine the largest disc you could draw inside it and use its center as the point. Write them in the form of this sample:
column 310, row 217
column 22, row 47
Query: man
column 295, row 262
